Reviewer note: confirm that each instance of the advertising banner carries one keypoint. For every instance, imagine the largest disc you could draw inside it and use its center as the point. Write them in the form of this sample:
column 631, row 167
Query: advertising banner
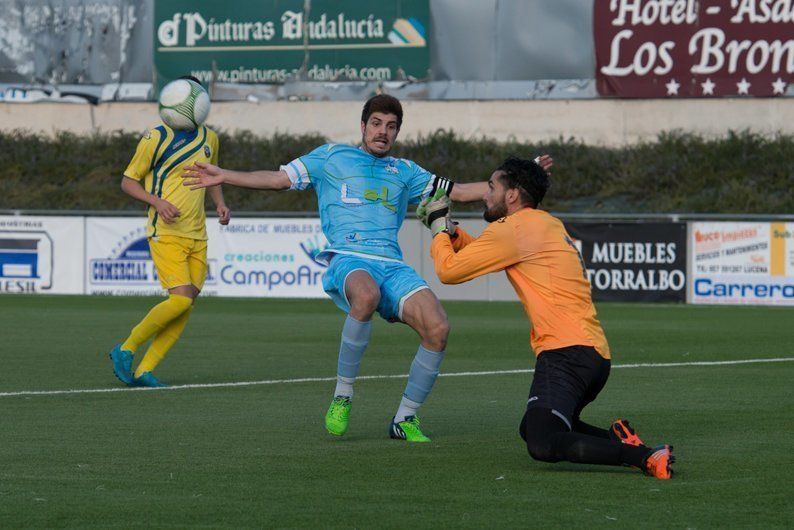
column 250, row 257
column 633, row 262
column 118, row 261
column 270, row 41
column 41, row 255
column 268, row 257
column 693, row 48
column 742, row 263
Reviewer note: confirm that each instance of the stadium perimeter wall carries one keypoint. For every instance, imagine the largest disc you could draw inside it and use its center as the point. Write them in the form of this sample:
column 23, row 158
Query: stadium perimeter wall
column 606, row 122
column 647, row 260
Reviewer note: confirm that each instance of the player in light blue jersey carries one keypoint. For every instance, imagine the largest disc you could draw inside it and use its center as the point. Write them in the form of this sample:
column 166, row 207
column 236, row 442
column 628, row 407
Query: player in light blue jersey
column 363, row 195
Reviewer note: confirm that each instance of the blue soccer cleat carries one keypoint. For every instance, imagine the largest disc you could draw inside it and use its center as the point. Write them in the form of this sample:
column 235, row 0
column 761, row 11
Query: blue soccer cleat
column 122, row 364
column 148, row 379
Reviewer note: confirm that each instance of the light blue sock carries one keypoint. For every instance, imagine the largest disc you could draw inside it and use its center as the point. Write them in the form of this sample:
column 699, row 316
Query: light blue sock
column 421, row 378
column 355, row 337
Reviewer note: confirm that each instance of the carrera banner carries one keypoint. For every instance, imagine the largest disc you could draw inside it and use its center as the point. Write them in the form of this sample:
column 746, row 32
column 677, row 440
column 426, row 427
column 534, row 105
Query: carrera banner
column 742, row 263
column 633, row 262
column 693, row 48
column 272, row 41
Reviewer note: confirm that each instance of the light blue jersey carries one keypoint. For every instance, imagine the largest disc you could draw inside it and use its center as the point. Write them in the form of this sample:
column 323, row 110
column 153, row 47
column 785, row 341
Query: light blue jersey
column 362, row 199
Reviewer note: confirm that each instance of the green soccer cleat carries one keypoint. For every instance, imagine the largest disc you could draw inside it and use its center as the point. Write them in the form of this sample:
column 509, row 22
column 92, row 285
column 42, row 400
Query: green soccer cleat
column 122, row 364
column 148, row 379
column 407, row 430
column 336, row 418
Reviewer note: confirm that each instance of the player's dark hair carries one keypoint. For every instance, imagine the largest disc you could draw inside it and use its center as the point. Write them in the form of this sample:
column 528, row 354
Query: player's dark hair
column 527, row 176
column 191, row 78
column 383, row 103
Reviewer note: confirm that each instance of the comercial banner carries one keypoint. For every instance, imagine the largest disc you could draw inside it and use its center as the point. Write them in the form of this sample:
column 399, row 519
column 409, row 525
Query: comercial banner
column 41, row 255
column 742, row 263
column 118, row 261
column 693, row 48
column 248, row 258
column 271, row 41
column 633, row 262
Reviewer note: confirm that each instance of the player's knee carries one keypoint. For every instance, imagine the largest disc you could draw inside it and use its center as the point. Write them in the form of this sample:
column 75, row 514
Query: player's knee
column 180, row 302
column 437, row 333
column 540, row 447
column 365, row 301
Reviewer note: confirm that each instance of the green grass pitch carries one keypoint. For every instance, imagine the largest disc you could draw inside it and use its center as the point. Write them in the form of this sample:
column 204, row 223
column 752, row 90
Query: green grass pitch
column 258, row 455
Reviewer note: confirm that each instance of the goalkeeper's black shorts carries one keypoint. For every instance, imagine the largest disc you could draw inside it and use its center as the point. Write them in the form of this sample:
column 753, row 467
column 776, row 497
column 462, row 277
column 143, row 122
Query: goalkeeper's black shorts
column 566, row 380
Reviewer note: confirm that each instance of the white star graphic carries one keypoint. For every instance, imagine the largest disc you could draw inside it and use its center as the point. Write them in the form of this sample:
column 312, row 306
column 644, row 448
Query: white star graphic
column 708, row 87
column 743, row 86
column 672, row 87
column 779, row 86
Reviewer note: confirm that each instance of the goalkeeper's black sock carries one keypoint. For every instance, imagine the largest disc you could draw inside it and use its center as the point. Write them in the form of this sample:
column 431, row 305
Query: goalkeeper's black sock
column 549, row 440
column 591, row 430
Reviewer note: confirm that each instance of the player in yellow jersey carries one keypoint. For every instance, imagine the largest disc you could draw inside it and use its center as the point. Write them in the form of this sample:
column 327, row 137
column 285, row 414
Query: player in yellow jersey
column 177, row 234
column 547, row 273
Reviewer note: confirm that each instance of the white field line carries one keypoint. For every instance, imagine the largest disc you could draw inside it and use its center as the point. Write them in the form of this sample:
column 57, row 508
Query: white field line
column 371, row 377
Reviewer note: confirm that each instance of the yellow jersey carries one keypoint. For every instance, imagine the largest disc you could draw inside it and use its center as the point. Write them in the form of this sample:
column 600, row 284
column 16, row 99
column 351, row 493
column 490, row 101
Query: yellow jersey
column 545, row 269
column 159, row 160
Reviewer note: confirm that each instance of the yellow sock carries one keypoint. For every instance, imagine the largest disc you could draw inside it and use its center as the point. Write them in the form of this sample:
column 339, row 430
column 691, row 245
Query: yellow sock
column 163, row 342
column 156, row 320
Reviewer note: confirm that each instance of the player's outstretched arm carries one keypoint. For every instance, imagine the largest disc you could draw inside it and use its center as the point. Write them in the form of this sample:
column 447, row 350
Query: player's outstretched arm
column 474, row 191
column 201, row 175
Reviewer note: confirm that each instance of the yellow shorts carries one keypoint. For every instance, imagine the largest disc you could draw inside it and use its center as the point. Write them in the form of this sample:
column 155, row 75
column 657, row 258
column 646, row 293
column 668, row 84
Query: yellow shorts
column 179, row 260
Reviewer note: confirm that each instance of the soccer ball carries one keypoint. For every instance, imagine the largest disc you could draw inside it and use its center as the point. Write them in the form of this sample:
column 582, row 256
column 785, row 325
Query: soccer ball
column 184, row 104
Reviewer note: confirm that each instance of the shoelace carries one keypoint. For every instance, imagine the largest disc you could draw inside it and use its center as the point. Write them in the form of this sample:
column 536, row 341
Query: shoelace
column 411, row 425
column 339, row 411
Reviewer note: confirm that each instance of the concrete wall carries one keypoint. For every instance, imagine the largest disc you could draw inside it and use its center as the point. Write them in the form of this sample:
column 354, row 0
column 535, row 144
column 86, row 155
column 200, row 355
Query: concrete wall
column 601, row 121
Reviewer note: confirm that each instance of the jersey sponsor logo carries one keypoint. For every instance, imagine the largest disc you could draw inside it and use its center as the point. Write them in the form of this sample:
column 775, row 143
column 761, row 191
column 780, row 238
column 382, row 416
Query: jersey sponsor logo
column 371, row 196
column 346, row 198
column 25, row 261
column 382, row 198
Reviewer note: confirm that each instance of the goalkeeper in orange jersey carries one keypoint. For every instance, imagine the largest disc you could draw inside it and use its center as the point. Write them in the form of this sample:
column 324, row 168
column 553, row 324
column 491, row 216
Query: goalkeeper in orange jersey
column 547, row 272
column 177, row 233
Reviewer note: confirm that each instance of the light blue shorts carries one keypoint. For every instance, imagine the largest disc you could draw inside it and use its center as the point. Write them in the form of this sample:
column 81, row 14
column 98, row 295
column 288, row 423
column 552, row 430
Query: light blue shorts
column 396, row 281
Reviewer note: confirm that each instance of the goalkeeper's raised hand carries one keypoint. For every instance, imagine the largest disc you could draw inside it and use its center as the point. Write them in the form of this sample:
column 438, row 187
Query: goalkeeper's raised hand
column 434, row 211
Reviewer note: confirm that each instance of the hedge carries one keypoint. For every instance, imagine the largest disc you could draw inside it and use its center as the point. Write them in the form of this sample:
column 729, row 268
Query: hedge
column 679, row 172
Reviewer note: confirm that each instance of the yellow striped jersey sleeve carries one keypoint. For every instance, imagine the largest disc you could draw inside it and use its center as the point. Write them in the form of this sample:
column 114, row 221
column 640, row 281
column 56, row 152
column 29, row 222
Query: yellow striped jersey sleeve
column 143, row 159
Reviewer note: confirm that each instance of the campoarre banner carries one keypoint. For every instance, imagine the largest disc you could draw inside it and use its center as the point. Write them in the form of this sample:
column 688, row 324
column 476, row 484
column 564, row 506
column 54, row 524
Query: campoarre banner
column 633, row 262
column 693, row 48
column 272, row 41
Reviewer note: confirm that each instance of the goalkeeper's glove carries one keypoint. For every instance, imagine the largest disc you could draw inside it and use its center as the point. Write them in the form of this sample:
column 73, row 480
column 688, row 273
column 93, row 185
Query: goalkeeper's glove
column 434, row 213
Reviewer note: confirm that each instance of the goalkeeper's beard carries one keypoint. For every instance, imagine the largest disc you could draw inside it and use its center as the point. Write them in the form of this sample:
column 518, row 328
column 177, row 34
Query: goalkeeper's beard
column 496, row 212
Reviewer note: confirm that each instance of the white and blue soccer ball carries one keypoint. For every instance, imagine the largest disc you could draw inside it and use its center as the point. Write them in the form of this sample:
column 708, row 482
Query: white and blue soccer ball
column 184, row 104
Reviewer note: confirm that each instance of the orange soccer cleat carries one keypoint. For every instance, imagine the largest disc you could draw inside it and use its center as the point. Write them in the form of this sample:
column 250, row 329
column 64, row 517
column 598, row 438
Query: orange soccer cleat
column 624, row 432
column 658, row 464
